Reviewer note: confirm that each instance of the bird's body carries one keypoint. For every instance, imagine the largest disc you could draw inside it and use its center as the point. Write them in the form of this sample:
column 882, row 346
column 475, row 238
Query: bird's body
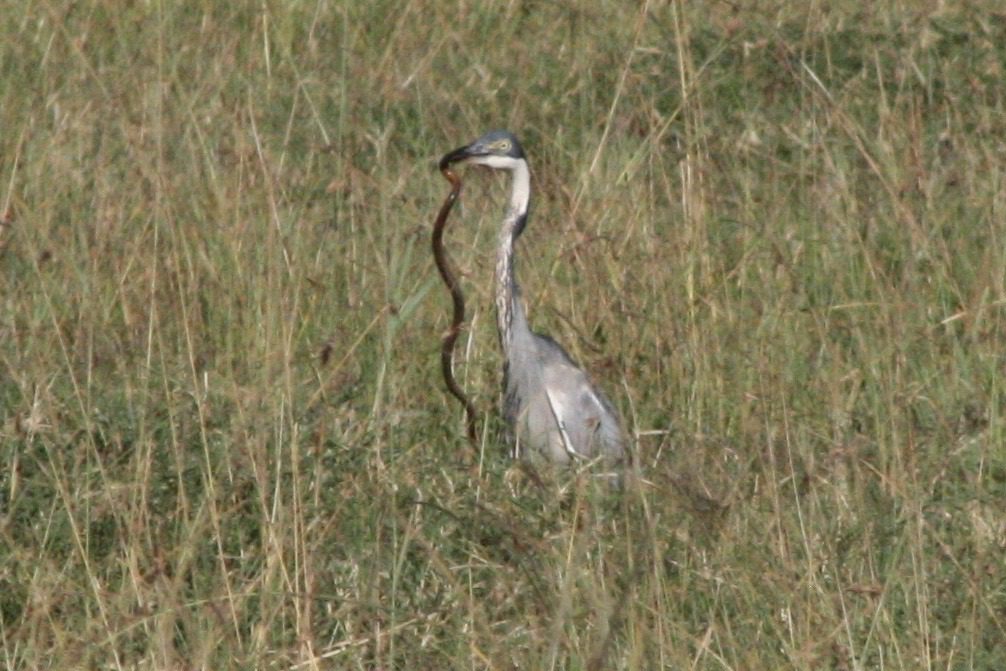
column 550, row 405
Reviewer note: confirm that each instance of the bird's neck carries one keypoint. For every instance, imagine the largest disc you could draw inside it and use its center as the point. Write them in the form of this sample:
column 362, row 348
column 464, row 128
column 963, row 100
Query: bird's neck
column 510, row 316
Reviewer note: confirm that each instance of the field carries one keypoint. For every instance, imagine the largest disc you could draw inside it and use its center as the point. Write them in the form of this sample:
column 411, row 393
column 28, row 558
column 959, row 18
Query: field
column 774, row 232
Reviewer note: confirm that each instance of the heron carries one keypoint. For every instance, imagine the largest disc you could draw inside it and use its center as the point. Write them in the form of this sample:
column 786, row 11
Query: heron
column 552, row 409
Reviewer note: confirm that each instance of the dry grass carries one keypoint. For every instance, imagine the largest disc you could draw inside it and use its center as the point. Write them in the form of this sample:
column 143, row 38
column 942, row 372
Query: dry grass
column 775, row 233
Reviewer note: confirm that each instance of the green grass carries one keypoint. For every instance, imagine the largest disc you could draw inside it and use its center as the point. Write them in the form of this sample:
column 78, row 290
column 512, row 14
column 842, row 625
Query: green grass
column 775, row 234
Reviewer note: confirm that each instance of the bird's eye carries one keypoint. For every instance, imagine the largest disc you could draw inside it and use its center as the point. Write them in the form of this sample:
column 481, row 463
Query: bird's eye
column 503, row 145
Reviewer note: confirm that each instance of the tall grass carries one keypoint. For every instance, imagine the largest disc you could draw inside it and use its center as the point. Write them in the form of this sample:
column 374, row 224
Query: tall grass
column 775, row 233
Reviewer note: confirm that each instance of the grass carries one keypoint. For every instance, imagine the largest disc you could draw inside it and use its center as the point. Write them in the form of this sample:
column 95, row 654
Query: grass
column 773, row 231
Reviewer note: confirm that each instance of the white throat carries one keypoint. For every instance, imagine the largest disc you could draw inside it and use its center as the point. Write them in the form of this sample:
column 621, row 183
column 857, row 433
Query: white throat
column 520, row 190
column 509, row 311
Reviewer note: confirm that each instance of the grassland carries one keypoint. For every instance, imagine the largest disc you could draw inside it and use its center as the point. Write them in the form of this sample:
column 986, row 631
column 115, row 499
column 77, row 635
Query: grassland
column 775, row 232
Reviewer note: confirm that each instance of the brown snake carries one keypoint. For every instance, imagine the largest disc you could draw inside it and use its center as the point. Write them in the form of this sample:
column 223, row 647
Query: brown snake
column 446, row 269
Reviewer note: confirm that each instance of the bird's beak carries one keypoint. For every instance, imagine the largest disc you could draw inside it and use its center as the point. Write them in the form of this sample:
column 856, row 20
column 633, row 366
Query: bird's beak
column 459, row 155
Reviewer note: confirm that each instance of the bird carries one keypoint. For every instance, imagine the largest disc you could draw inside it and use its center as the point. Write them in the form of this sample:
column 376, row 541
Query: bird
column 552, row 409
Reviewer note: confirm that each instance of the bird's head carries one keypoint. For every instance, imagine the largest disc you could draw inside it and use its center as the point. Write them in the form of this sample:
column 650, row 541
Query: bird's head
column 496, row 149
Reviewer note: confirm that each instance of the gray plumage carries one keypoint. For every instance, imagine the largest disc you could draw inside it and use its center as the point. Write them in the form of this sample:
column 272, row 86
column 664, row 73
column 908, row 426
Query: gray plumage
column 550, row 405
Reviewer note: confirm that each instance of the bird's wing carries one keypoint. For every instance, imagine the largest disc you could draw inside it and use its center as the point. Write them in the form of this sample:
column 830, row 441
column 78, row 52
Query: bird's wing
column 576, row 405
column 557, row 402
